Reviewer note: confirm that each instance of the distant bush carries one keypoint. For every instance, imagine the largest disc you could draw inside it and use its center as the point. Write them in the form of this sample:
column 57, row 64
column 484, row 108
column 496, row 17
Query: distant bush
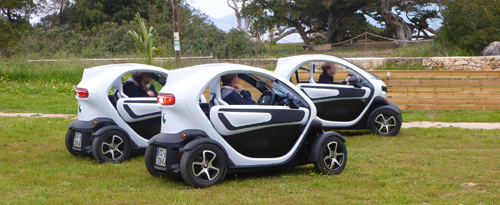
column 199, row 37
column 471, row 24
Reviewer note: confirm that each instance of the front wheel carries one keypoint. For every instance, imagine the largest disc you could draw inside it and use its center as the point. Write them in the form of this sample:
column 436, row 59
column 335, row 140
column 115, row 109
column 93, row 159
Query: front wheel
column 333, row 156
column 112, row 146
column 203, row 166
column 385, row 123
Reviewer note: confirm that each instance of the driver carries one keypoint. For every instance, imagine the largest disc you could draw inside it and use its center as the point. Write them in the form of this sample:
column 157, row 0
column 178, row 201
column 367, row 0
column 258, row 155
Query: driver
column 329, row 71
column 233, row 93
column 139, row 85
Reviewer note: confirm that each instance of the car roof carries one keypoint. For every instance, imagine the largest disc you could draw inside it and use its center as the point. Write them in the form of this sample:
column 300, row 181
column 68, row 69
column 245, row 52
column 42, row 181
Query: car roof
column 286, row 66
column 182, row 81
column 106, row 74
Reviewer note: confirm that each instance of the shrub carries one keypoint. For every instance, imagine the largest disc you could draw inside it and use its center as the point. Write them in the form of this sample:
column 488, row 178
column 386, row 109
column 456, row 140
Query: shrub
column 471, row 24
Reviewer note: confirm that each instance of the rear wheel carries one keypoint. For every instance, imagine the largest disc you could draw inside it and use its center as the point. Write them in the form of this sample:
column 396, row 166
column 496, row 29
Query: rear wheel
column 333, row 156
column 203, row 166
column 386, row 123
column 112, row 146
column 150, row 159
column 70, row 138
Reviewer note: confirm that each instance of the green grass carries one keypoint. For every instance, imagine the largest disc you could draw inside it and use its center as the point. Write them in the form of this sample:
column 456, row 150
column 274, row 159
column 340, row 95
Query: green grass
column 451, row 115
column 438, row 165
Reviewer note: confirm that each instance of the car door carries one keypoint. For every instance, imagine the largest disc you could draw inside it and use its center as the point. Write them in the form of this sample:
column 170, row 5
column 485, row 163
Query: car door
column 334, row 102
column 259, row 131
column 141, row 114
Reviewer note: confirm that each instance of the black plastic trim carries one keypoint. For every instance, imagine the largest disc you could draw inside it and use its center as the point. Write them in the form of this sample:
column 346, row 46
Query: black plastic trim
column 141, row 101
column 277, row 117
column 133, row 115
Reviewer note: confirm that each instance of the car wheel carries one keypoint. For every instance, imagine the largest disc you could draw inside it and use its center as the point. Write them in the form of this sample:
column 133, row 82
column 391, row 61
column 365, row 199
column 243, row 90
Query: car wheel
column 203, row 166
column 386, row 123
column 150, row 159
column 70, row 137
column 333, row 156
column 112, row 146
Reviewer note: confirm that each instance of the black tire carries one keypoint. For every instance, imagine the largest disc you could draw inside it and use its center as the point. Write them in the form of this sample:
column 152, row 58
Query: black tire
column 331, row 148
column 203, row 152
column 150, row 159
column 385, row 123
column 104, row 142
column 70, row 134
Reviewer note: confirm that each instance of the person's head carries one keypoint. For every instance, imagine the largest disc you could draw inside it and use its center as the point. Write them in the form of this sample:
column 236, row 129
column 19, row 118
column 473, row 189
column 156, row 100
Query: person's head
column 229, row 79
column 328, row 68
column 143, row 78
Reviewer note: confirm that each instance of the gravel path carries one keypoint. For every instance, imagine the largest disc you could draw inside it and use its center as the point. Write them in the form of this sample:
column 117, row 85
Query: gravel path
column 423, row 124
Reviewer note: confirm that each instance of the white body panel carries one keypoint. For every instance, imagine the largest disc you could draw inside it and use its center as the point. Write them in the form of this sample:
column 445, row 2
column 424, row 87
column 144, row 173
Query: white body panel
column 187, row 114
column 287, row 66
column 135, row 109
column 99, row 81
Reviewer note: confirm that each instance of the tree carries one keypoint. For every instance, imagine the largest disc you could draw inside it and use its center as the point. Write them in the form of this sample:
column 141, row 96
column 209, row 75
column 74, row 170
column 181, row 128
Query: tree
column 401, row 28
column 341, row 13
column 90, row 13
column 300, row 15
column 470, row 24
column 16, row 22
column 237, row 5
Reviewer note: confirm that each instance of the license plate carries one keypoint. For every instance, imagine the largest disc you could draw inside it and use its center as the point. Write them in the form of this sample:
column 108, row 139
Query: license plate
column 77, row 142
column 161, row 156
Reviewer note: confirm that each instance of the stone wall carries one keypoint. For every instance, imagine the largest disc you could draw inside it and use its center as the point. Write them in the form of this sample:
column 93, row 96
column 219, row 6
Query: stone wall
column 484, row 63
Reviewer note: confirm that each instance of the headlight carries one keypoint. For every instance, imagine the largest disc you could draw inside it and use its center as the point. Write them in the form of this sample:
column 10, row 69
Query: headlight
column 384, row 88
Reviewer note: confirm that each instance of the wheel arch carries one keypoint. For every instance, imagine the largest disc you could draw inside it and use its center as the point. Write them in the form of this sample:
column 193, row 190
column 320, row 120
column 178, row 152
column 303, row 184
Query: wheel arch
column 205, row 140
column 104, row 129
column 316, row 144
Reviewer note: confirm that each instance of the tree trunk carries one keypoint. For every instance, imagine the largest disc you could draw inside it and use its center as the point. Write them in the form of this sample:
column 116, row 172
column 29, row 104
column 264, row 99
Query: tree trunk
column 279, row 36
column 402, row 30
column 302, row 33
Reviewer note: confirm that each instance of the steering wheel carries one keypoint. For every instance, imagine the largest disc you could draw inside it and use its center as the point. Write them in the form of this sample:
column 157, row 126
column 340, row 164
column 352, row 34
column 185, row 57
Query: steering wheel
column 267, row 98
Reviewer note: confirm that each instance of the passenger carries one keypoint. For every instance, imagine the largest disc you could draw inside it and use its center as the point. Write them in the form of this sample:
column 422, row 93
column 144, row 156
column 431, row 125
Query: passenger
column 139, row 85
column 329, row 71
column 233, row 93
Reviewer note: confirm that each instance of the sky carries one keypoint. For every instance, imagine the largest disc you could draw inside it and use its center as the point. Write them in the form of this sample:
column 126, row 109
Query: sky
column 214, row 8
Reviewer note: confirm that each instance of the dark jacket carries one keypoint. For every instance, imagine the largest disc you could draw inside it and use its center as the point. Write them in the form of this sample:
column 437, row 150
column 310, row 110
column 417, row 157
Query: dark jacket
column 328, row 79
column 234, row 98
column 132, row 89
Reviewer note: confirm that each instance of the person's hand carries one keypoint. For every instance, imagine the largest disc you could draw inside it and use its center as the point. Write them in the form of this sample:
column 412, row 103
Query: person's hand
column 238, row 88
column 347, row 79
column 151, row 93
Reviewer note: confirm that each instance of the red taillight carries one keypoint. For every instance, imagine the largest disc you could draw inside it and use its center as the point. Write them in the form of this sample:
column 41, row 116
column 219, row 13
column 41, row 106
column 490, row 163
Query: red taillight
column 81, row 93
column 166, row 99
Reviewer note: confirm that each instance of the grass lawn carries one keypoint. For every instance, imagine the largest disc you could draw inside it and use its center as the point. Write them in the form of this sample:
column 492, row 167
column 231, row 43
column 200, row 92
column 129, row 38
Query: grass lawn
column 438, row 165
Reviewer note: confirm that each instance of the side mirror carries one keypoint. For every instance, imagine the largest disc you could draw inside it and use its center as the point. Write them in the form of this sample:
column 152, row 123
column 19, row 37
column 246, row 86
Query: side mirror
column 291, row 101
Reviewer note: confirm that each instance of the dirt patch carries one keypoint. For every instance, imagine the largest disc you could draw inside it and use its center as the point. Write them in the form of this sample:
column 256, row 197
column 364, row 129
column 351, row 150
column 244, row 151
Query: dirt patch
column 3, row 114
column 466, row 125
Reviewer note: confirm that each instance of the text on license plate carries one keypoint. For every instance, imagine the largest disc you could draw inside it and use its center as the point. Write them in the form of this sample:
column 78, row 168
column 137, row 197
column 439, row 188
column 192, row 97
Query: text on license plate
column 77, row 142
column 161, row 156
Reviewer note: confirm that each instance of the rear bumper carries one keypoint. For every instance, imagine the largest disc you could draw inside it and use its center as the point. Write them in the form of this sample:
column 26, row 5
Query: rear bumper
column 174, row 143
column 87, row 128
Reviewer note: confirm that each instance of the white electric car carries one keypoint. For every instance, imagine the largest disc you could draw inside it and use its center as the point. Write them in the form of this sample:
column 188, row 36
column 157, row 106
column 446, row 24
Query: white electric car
column 110, row 124
column 362, row 104
column 204, row 141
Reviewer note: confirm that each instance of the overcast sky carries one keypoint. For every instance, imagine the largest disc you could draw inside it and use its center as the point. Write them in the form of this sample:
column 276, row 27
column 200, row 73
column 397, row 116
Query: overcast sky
column 213, row 8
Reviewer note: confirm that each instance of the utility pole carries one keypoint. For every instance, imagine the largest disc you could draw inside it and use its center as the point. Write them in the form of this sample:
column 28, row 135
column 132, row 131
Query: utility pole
column 177, row 42
column 366, row 40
